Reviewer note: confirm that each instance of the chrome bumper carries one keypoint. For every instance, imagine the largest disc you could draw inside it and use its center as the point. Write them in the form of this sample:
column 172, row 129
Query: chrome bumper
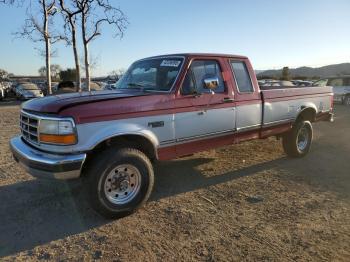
column 46, row 165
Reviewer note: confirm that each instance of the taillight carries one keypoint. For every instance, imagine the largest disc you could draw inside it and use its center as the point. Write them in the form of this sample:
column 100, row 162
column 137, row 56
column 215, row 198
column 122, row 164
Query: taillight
column 332, row 101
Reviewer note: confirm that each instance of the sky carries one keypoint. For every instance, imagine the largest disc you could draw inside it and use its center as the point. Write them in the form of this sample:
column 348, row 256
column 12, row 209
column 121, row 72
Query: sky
column 272, row 33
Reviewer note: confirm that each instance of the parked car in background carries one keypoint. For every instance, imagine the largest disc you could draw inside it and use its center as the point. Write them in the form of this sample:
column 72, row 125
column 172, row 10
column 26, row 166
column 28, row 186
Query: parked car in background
column 275, row 84
column 341, row 88
column 302, row 82
column 93, row 87
column 110, row 86
column 64, row 87
column 102, row 85
column 25, row 91
column 43, row 87
column 66, row 84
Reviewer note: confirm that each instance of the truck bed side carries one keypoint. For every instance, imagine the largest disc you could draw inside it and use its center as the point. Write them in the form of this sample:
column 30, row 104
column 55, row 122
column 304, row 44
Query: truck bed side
column 284, row 105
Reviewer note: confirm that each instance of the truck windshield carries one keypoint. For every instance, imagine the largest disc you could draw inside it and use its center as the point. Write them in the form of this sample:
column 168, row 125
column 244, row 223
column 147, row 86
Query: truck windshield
column 154, row 74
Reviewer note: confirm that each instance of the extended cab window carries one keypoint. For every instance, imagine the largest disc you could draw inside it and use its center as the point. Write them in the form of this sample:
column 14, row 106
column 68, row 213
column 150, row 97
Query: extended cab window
column 240, row 71
column 197, row 73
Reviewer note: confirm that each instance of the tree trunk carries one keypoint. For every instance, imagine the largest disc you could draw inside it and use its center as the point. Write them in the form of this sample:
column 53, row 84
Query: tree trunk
column 87, row 65
column 47, row 47
column 76, row 58
column 86, row 51
column 48, row 65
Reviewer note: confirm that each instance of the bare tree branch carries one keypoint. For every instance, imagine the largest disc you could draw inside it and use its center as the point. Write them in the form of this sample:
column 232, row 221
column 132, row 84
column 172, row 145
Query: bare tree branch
column 96, row 13
column 39, row 30
column 70, row 17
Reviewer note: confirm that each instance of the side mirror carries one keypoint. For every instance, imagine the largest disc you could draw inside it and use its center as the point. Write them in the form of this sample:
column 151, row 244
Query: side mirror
column 211, row 83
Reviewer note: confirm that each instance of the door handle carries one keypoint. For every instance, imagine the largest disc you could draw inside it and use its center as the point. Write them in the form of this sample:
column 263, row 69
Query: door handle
column 228, row 100
column 201, row 113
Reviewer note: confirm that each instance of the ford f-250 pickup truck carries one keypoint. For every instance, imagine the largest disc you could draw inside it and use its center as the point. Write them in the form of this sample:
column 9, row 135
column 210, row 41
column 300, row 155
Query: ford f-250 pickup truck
column 164, row 107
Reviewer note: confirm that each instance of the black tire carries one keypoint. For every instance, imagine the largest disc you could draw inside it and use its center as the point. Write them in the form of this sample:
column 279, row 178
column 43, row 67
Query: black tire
column 103, row 166
column 290, row 141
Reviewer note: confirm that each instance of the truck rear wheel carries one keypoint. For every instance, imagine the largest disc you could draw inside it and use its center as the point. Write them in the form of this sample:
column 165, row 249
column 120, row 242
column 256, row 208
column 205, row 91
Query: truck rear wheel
column 297, row 142
column 119, row 181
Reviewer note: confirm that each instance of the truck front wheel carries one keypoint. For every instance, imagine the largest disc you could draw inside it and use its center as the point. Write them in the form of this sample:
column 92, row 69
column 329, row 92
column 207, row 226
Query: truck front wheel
column 297, row 142
column 119, row 181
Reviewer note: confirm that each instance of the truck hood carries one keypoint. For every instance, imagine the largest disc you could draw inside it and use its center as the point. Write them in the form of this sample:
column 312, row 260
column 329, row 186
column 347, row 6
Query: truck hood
column 55, row 103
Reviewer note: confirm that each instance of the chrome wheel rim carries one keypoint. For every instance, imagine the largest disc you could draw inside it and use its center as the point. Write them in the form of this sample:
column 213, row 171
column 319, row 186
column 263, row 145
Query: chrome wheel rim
column 122, row 184
column 303, row 138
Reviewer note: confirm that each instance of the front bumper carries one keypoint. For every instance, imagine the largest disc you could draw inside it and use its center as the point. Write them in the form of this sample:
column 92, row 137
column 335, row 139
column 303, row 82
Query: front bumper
column 46, row 165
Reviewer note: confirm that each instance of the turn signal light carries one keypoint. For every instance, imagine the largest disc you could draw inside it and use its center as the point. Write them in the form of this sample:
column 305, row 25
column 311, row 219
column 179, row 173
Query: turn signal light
column 58, row 139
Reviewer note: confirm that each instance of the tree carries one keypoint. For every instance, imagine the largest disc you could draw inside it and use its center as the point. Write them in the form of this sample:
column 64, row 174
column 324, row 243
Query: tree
column 68, row 75
column 117, row 74
column 96, row 13
column 39, row 30
column 3, row 74
column 70, row 18
column 285, row 73
column 93, row 63
column 55, row 71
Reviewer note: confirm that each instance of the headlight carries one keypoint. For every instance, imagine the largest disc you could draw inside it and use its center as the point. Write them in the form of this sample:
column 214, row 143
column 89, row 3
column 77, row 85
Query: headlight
column 59, row 132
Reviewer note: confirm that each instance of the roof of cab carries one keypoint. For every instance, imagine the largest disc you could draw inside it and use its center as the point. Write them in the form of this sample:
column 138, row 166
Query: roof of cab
column 201, row 54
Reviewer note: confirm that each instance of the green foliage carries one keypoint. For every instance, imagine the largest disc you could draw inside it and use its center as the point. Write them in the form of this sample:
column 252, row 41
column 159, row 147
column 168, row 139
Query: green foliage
column 263, row 77
column 299, row 77
column 68, row 75
column 285, row 73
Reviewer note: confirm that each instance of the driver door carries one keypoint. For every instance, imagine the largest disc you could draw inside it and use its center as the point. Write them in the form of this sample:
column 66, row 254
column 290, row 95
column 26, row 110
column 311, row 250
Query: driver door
column 204, row 114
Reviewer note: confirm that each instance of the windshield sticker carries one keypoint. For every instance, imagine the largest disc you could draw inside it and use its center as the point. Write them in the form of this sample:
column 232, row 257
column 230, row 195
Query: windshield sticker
column 172, row 63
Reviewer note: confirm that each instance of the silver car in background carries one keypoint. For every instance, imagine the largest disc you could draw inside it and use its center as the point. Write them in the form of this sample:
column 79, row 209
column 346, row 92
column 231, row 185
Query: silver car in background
column 25, row 91
column 341, row 88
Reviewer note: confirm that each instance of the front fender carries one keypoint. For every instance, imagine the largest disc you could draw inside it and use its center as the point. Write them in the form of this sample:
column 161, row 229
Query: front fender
column 91, row 135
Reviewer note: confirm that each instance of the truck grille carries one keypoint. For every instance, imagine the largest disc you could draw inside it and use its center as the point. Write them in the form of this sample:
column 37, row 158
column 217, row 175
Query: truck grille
column 29, row 128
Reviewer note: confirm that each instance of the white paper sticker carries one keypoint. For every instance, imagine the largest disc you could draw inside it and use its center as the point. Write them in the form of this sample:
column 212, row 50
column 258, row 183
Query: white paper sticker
column 172, row 63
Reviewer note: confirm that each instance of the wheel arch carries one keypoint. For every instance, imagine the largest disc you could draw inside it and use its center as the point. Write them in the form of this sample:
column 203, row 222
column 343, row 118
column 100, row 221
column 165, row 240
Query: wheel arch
column 307, row 113
column 137, row 141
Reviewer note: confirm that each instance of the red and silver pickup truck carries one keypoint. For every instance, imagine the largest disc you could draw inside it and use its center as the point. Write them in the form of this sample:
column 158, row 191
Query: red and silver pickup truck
column 164, row 107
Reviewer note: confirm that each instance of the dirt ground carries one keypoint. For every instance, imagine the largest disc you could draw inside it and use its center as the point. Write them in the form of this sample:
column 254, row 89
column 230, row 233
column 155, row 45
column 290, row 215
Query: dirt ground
column 244, row 202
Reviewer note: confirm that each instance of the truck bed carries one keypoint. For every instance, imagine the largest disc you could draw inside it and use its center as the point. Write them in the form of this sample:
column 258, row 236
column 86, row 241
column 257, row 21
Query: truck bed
column 284, row 104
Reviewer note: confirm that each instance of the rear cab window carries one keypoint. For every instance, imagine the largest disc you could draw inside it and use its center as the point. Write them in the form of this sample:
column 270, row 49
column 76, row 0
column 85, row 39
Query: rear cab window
column 241, row 76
